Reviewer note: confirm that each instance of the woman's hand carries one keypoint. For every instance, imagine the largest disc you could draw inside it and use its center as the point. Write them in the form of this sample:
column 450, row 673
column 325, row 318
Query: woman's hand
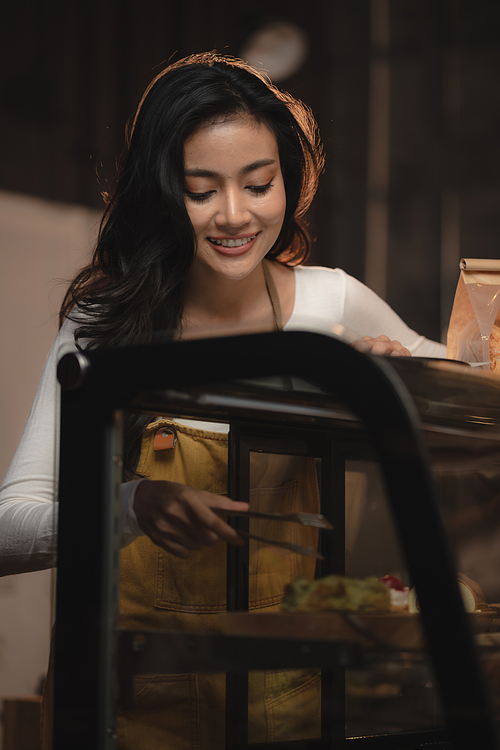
column 181, row 519
column 381, row 345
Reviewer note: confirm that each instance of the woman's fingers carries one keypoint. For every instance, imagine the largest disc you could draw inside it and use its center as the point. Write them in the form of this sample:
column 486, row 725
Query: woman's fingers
column 381, row 345
column 214, row 522
column 181, row 519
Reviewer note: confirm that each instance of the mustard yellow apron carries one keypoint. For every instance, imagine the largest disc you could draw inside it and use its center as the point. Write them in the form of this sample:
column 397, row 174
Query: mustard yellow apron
column 158, row 590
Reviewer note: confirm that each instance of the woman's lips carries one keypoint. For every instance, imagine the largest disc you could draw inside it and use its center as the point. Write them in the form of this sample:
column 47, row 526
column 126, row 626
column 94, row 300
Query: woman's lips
column 233, row 246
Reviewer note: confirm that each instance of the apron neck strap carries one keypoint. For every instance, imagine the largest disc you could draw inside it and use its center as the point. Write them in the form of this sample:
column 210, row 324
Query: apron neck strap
column 273, row 295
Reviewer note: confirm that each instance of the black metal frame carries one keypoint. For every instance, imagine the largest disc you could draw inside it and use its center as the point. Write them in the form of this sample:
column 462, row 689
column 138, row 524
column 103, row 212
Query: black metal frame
column 244, row 438
column 97, row 385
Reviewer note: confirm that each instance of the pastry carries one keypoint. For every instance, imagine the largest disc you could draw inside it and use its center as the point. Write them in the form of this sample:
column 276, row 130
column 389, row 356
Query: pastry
column 339, row 593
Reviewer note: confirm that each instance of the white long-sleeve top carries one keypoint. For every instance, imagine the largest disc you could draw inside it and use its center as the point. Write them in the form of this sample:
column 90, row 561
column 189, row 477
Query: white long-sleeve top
column 28, row 512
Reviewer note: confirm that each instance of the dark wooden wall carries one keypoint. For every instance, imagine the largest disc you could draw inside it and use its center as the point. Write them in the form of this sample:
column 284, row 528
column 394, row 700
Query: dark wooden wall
column 73, row 72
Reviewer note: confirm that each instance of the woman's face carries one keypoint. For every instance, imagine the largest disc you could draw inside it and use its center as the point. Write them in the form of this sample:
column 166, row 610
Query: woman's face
column 235, row 196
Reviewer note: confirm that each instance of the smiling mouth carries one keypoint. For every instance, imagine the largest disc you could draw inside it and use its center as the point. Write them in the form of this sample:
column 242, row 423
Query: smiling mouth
column 233, row 243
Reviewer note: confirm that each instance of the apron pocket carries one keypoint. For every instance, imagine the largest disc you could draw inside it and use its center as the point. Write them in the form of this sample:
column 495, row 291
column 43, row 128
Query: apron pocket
column 293, row 700
column 165, row 714
column 196, row 585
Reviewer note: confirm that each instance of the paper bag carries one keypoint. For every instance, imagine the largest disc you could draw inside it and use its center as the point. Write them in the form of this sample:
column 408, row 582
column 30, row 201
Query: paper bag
column 474, row 331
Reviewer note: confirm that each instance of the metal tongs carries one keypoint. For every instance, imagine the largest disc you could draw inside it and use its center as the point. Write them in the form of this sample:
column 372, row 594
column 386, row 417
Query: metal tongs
column 316, row 520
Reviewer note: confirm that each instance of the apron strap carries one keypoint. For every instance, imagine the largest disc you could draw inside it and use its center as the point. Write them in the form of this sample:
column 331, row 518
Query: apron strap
column 273, row 295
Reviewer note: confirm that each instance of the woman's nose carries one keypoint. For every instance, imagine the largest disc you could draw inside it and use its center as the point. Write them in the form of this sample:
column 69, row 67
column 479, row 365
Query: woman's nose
column 233, row 210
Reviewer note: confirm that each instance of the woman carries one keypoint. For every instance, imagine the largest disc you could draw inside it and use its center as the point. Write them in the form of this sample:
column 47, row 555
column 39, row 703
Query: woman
column 205, row 227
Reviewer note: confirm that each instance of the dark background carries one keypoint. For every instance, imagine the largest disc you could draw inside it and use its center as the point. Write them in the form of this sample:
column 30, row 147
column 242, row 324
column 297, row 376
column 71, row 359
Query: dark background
column 73, row 72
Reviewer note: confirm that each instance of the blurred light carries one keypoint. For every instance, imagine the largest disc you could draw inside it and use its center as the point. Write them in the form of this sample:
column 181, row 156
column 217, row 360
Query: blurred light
column 278, row 49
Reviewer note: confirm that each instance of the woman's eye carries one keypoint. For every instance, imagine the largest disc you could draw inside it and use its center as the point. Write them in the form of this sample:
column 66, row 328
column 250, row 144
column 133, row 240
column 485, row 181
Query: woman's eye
column 260, row 189
column 199, row 196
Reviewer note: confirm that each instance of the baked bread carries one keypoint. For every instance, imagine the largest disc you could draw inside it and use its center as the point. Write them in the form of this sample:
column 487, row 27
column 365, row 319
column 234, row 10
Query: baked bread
column 495, row 349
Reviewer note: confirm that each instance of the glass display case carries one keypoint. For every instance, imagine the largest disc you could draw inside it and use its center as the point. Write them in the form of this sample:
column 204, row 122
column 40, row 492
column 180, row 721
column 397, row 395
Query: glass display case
column 400, row 455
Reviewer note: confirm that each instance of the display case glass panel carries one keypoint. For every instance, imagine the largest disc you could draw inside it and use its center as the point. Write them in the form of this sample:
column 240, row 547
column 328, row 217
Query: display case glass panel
column 289, row 445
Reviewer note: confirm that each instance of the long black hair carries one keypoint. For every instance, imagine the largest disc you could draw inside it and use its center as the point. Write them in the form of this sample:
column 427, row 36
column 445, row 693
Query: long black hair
column 132, row 288
column 133, row 284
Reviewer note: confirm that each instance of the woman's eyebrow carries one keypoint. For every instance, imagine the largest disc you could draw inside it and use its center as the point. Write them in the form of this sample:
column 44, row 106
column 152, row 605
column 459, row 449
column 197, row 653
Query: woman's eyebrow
column 258, row 164
column 200, row 173
column 248, row 168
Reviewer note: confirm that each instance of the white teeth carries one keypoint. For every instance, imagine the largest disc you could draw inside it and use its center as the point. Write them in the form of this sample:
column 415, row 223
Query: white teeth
column 233, row 243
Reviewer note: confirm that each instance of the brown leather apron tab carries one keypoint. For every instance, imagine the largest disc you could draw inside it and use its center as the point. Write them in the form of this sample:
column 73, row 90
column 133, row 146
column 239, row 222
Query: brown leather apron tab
column 165, row 439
